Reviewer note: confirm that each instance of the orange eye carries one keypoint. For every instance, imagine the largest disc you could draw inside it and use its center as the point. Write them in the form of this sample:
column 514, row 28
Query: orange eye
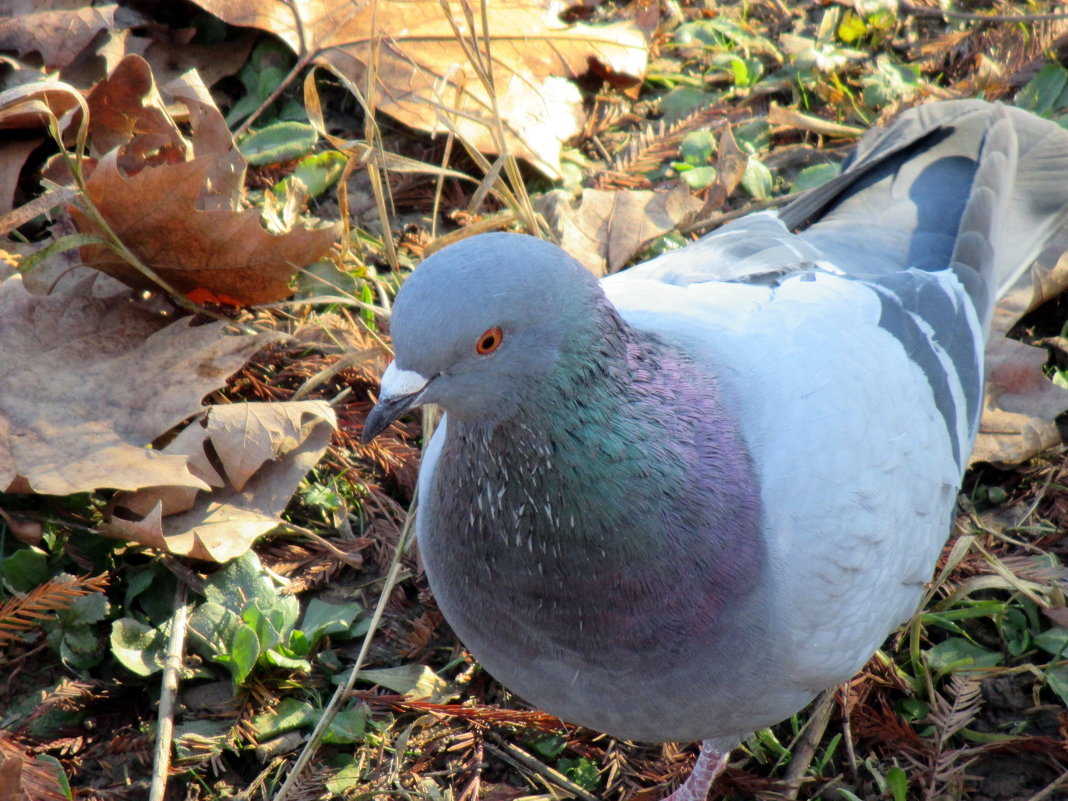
column 489, row 341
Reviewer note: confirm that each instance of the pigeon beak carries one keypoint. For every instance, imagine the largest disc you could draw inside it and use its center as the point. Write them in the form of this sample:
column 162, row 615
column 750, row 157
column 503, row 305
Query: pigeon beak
column 401, row 390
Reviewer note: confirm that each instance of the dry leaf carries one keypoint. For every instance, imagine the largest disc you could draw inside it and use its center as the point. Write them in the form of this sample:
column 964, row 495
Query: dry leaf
column 1021, row 405
column 23, row 778
column 422, row 68
column 173, row 202
column 87, row 383
column 126, row 109
column 608, row 226
column 155, row 213
column 263, row 450
column 57, row 35
column 25, row 114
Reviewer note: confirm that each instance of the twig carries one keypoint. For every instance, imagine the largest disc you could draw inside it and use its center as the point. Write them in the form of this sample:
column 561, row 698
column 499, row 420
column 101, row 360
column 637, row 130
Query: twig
column 343, row 691
column 809, row 741
column 172, row 665
column 513, row 753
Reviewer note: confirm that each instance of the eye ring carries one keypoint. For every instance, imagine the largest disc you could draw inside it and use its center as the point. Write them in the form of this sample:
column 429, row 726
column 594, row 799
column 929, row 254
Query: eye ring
column 489, row 341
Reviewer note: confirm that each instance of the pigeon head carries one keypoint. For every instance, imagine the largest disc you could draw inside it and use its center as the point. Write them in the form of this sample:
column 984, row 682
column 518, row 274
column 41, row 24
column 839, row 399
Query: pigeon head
column 481, row 323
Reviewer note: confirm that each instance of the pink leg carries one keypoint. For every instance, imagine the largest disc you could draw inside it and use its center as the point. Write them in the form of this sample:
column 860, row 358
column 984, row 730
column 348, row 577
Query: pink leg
column 710, row 763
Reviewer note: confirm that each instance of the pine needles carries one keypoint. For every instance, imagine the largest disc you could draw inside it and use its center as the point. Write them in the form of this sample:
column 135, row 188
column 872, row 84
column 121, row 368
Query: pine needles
column 40, row 605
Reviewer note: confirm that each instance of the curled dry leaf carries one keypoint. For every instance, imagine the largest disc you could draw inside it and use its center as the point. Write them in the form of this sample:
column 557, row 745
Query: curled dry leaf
column 155, row 213
column 253, row 456
column 608, row 226
column 423, row 73
column 26, row 111
column 87, row 383
column 1021, row 405
column 174, row 203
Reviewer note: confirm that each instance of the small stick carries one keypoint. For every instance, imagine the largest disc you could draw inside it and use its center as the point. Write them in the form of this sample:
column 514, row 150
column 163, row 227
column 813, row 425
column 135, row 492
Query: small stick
column 172, row 665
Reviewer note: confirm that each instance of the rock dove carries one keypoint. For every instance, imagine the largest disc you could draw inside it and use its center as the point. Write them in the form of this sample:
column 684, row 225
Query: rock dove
column 677, row 503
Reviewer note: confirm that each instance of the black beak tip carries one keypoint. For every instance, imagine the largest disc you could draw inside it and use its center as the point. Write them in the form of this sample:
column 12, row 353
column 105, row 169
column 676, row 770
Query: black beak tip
column 383, row 414
column 374, row 425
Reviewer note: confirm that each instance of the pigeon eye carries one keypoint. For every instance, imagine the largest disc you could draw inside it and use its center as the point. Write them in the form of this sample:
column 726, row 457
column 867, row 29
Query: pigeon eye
column 489, row 341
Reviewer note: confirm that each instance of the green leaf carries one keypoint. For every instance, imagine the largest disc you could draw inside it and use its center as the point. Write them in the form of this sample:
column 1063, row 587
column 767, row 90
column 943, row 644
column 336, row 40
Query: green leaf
column 683, row 101
column 913, row 709
column 1053, row 641
column 317, row 172
column 957, row 653
column 752, row 137
column 346, row 772
column 267, row 67
column 277, row 658
column 1015, row 630
column 699, row 177
column 213, row 626
column 852, row 28
column 200, row 738
column 25, row 569
column 815, row 175
column 290, row 714
column 240, row 584
column 1057, row 678
column 891, row 81
column 348, row 726
column 244, row 651
column 1043, row 91
column 150, row 589
column 898, row 782
column 581, row 771
column 324, row 278
column 87, row 609
column 417, row 681
column 138, row 647
column 278, row 142
column 78, row 646
column 721, row 33
column 697, row 147
column 549, row 746
column 55, row 768
column 322, row 617
column 757, row 180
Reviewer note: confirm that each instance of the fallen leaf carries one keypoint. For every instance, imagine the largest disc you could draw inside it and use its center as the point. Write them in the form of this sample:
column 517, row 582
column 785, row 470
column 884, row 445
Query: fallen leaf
column 155, row 213
column 422, row 72
column 608, row 226
column 58, row 35
column 126, row 110
column 87, row 383
column 26, row 111
column 415, row 681
column 261, row 450
column 1020, row 404
column 175, row 203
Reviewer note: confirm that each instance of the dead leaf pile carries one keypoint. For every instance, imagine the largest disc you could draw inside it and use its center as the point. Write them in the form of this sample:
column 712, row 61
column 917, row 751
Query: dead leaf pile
column 263, row 450
column 94, row 373
column 445, row 67
column 88, row 383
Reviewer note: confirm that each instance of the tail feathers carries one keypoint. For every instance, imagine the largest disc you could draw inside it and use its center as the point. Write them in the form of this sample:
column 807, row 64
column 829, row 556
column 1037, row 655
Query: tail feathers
column 1038, row 209
column 978, row 187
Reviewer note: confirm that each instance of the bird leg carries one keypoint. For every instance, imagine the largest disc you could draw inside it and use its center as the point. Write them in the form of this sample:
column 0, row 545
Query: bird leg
column 710, row 763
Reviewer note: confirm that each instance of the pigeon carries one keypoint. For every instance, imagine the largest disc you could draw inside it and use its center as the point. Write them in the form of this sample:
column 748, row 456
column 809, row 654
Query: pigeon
column 677, row 503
